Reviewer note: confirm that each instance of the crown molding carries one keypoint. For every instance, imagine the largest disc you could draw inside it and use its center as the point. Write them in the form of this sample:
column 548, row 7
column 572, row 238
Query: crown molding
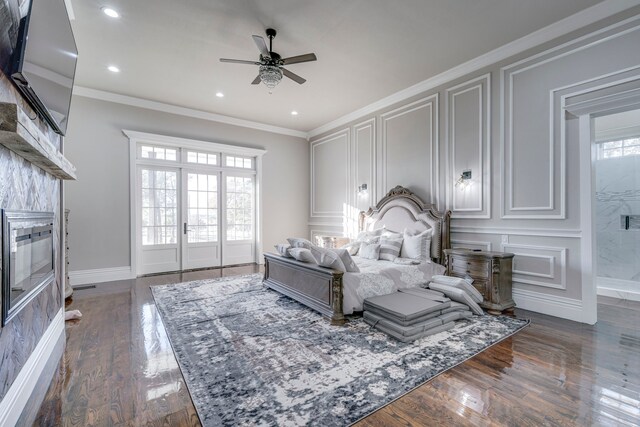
column 70, row 12
column 182, row 111
column 557, row 29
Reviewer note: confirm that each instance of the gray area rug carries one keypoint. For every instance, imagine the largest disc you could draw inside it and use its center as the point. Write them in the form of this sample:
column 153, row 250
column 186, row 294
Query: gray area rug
column 251, row 356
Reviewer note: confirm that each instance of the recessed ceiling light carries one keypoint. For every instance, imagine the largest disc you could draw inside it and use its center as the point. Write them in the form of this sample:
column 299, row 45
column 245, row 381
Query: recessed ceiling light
column 294, row 113
column 220, row 94
column 111, row 13
column 113, row 69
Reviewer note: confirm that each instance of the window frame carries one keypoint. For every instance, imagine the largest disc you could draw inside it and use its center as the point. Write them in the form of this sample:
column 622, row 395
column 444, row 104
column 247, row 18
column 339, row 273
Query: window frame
column 624, row 143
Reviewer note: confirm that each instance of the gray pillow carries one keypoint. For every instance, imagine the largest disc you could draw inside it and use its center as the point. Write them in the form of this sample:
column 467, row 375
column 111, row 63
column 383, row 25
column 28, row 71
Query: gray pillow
column 463, row 284
column 299, row 242
column 369, row 250
column 390, row 247
column 328, row 258
column 302, row 254
column 457, row 294
column 283, row 249
column 367, row 235
column 345, row 257
column 352, row 247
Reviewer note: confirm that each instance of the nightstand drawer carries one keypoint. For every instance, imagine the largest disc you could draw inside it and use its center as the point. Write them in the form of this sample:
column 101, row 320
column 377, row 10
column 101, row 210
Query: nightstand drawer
column 477, row 270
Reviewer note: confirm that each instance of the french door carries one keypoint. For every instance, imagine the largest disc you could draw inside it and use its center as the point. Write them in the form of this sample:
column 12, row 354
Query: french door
column 194, row 218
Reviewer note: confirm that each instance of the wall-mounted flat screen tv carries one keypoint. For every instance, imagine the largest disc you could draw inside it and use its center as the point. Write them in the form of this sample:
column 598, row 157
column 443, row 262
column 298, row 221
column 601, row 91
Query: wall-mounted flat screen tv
column 40, row 55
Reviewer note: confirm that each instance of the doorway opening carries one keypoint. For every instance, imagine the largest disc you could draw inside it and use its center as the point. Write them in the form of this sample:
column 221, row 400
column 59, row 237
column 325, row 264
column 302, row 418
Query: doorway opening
column 617, row 204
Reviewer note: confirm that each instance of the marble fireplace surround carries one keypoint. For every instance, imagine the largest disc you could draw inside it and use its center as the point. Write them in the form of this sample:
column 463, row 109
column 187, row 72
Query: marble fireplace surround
column 32, row 167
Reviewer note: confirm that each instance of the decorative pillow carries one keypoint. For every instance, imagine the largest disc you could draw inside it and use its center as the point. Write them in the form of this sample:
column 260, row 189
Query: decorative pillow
column 457, row 294
column 345, row 257
column 416, row 246
column 369, row 250
column 331, row 242
column 352, row 247
column 406, row 261
column 390, row 247
column 464, row 284
column 283, row 249
column 389, row 233
column 367, row 235
column 299, row 242
column 302, row 254
column 329, row 259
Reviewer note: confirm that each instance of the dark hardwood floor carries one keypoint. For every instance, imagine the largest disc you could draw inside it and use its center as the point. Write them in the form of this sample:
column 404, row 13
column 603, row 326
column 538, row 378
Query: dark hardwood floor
column 119, row 369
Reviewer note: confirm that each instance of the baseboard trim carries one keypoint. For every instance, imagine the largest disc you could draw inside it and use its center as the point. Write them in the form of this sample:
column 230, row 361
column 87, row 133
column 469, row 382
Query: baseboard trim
column 17, row 397
column 552, row 305
column 618, row 288
column 100, row 275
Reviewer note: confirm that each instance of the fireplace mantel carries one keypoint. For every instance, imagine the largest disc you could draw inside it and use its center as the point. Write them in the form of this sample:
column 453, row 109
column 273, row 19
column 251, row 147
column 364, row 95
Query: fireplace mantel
column 19, row 134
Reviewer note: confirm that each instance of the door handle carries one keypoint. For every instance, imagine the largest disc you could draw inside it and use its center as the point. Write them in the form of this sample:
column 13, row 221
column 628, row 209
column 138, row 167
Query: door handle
column 185, row 228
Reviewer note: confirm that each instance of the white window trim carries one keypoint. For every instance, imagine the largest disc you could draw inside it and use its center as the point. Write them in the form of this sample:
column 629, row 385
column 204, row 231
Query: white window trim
column 136, row 138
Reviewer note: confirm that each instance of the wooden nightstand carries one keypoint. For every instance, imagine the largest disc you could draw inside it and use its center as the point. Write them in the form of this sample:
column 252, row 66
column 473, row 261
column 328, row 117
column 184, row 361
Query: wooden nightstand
column 491, row 273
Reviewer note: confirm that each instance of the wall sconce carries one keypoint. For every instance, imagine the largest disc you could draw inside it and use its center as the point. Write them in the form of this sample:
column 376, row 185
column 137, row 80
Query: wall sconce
column 362, row 189
column 464, row 180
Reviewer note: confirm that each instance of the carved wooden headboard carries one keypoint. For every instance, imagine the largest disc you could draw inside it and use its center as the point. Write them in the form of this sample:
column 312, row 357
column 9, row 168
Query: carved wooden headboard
column 401, row 209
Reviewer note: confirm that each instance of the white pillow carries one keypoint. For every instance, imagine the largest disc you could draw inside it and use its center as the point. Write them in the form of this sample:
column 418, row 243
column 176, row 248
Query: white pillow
column 459, row 283
column 457, row 294
column 416, row 246
column 302, row 254
column 390, row 247
column 345, row 257
column 283, row 249
column 369, row 250
column 299, row 242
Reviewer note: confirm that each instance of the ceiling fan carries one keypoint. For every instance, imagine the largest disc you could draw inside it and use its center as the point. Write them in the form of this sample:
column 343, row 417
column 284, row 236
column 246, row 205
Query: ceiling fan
column 271, row 64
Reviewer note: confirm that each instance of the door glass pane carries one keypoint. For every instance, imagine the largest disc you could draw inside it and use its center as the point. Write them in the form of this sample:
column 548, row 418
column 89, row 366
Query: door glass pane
column 202, row 208
column 158, row 216
column 239, row 205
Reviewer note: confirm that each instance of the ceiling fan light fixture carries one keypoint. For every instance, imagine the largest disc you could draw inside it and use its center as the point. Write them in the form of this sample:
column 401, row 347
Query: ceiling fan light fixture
column 270, row 75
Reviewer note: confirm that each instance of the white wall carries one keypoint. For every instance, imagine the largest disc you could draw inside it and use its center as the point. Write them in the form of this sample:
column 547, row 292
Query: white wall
column 99, row 200
column 508, row 123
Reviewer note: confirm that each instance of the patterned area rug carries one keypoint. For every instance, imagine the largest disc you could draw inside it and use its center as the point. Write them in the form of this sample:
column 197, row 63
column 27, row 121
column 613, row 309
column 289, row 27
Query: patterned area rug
column 251, row 356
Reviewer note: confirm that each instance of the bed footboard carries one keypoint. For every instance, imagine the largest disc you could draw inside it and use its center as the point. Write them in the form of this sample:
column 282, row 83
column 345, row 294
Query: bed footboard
column 316, row 287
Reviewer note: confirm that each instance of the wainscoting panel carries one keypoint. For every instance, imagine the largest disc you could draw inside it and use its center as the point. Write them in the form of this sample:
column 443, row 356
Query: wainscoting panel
column 409, row 149
column 539, row 265
column 468, row 118
column 330, row 166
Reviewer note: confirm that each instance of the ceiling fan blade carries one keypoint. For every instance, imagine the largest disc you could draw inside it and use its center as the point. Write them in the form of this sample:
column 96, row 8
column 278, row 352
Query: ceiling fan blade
column 239, row 61
column 296, row 78
column 262, row 46
column 257, row 80
column 300, row 58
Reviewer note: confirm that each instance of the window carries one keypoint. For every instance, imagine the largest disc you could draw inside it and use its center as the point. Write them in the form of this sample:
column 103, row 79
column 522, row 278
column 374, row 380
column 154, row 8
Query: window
column 625, row 147
column 202, row 206
column 158, row 153
column 202, row 158
column 159, row 207
column 238, row 162
column 239, row 208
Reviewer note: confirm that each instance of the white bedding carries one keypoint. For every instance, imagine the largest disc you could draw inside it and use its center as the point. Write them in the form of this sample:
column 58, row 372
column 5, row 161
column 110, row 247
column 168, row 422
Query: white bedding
column 379, row 277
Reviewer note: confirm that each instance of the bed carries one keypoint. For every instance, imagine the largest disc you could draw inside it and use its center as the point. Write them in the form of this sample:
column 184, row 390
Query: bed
column 324, row 290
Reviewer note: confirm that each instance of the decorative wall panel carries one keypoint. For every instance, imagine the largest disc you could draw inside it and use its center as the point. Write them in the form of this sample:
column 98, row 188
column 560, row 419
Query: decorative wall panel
column 539, row 265
column 364, row 138
column 330, row 171
column 534, row 169
column 409, row 149
column 468, row 107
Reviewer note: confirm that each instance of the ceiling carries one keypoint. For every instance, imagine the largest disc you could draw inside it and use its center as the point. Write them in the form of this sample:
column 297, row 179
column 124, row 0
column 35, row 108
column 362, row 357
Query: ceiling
column 168, row 51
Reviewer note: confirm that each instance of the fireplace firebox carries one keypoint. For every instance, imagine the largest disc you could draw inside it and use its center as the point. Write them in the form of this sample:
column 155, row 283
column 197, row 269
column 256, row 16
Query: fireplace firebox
column 27, row 258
